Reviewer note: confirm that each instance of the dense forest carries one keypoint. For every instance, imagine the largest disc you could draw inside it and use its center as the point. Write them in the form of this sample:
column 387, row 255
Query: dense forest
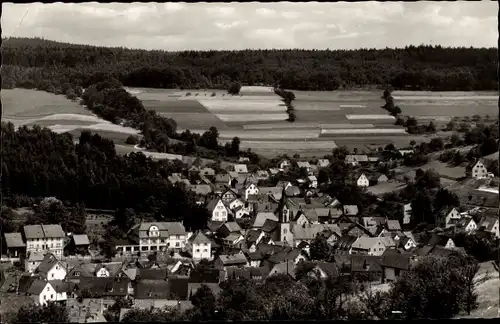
column 419, row 68
column 40, row 163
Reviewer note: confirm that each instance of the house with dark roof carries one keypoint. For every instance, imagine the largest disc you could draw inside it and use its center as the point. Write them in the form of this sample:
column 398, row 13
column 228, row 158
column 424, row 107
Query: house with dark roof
column 51, row 269
column 200, row 246
column 40, row 290
column 231, row 260
column 441, row 240
column 344, row 244
column 48, row 238
column 107, row 288
column 366, row 267
column 394, row 264
column 323, row 270
column 257, row 274
column 229, row 228
column 14, row 246
column 286, row 267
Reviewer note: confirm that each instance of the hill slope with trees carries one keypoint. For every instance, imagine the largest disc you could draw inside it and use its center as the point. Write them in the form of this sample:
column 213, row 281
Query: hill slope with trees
column 412, row 67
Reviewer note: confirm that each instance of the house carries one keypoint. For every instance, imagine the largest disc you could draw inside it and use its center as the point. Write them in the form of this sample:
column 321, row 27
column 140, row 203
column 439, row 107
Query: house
column 233, row 260
column 250, row 190
column 306, row 232
column 107, row 270
column 451, row 217
column 356, row 160
column 304, row 165
column 362, row 181
column 243, row 159
column 313, row 181
column 229, row 195
column 287, row 267
column 392, row 225
column 393, row 265
column 86, row 310
column 366, row 267
column 107, row 288
column 285, row 254
column 262, row 217
column 479, row 171
column 156, row 236
column 407, row 212
column 292, row 191
column 382, row 178
column 323, row 163
column 350, row 210
column 406, row 152
column 217, row 210
column 223, row 178
column 407, row 243
column 284, row 163
column 466, row 224
column 262, row 175
column 48, row 238
column 233, row 239
column 369, row 246
column 200, row 246
column 51, row 269
column 33, row 260
column 15, row 247
column 241, row 168
column 41, row 291
column 323, row 270
column 79, row 243
column 229, row 228
column 257, row 273
column 490, row 224
column 441, row 240
column 207, row 172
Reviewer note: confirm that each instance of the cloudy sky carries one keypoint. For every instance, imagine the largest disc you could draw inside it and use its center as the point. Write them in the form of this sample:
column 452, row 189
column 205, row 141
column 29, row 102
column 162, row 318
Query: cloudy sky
column 179, row 26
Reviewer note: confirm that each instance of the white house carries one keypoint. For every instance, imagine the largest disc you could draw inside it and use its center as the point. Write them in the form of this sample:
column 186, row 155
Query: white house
column 200, row 247
column 217, row 210
column 284, row 163
column 479, row 171
column 362, row 181
column 241, row 168
column 313, row 181
column 452, row 217
column 305, row 165
column 251, row 189
column 407, row 243
column 323, row 163
column 407, row 212
column 236, row 203
column 51, row 269
column 42, row 291
column 44, row 238
column 490, row 224
column 369, row 246
column 467, row 224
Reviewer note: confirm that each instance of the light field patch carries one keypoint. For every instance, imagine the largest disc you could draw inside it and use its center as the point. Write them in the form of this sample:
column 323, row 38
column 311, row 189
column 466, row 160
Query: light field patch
column 270, row 134
column 367, row 117
column 288, row 145
column 251, row 117
column 352, row 106
column 243, row 106
column 365, row 131
column 284, row 125
column 345, row 126
column 256, row 89
column 444, row 98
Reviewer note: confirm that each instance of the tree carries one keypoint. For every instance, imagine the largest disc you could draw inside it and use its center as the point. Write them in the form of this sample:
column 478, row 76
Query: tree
column 235, row 88
column 320, row 249
column 235, row 146
column 50, row 313
column 204, row 303
column 132, row 140
column 240, row 300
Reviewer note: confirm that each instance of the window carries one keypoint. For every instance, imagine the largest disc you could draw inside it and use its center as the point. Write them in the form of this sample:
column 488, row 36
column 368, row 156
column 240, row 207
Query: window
column 205, row 250
column 51, row 296
column 177, row 244
column 197, row 250
column 284, row 231
column 168, row 244
column 77, row 274
column 216, row 214
column 52, row 275
column 44, row 297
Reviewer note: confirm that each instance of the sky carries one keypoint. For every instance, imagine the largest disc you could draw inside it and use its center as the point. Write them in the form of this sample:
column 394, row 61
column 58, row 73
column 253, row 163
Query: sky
column 233, row 26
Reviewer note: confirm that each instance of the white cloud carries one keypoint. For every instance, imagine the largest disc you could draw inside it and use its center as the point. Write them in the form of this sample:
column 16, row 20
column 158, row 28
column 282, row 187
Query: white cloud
column 178, row 26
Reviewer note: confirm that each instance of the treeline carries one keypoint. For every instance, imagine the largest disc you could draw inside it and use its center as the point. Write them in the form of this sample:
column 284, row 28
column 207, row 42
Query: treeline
column 39, row 163
column 419, row 68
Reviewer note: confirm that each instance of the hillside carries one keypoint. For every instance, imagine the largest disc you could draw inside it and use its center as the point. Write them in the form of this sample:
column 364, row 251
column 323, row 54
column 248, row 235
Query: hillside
column 417, row 68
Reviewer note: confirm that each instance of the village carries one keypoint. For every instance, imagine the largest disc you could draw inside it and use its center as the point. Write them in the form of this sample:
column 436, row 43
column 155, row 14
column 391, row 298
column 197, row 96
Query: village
column 254, row 232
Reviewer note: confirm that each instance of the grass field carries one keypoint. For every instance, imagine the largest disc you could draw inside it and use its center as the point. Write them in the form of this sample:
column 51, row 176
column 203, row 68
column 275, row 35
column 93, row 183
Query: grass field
column 31, row 107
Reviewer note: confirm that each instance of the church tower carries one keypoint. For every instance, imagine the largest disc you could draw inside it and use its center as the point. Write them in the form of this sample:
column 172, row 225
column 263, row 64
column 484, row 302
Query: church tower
column 284, row 217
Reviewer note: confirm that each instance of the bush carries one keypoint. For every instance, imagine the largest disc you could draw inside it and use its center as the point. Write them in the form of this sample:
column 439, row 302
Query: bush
column 132, row 140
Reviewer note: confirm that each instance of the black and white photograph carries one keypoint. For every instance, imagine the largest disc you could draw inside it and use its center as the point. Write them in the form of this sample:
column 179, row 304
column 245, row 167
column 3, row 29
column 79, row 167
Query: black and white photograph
column 249, row 161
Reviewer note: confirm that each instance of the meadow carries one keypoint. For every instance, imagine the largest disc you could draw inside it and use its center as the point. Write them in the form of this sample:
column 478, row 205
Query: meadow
column 257, row 116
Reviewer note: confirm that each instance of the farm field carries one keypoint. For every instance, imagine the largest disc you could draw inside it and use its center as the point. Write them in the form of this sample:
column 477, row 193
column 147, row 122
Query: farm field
column 258, row 117
column 31, row 107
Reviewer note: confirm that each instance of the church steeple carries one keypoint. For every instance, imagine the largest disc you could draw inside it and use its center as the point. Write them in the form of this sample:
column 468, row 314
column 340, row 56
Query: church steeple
column 284, row 207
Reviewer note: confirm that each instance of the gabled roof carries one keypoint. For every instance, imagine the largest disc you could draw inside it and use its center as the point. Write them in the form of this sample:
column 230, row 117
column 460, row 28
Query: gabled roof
column 105, row 286
column 395, row 260
column 269, row 225
column 292, row 191
column 285, row 268
column 307, row 232
column 356, row 158
column 438, row 240
column 165, row 228
column 241, row 168
column 14, row 240
column 252, row 235
column 233, row 259
column 214, row 226
column 365, row 243
column 285, row 255
column 209, row 275
column 330, row 268
column 81, row 239
column 232, row 227
column 53, row 231
column 222, row 178
column 201, row 189
column 212, row 204
column 261, row 218
column 345, row 242
column 49, row 261
column 365, row 263
column 199, row 238
column 302, row 164
column 33, row 231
